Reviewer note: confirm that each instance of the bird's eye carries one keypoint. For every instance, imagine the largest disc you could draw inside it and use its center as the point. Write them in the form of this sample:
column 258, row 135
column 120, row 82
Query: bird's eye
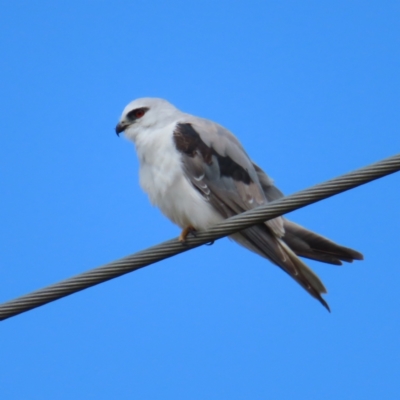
column 137, row 113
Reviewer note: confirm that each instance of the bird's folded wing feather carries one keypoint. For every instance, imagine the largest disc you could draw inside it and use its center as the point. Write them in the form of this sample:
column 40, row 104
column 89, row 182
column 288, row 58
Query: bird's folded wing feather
column 219, row 168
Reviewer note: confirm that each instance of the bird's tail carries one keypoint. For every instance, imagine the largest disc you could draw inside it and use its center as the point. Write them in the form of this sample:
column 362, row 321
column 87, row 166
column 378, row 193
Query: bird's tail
column 297, row 241
column 260, row 240
column 311, row 245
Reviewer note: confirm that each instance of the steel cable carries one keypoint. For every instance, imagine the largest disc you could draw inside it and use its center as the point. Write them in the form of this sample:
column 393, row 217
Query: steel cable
column 173, row 247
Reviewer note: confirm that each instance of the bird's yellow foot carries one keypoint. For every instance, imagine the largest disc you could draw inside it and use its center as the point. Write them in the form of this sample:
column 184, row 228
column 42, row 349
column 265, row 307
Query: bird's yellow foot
column 189, row 229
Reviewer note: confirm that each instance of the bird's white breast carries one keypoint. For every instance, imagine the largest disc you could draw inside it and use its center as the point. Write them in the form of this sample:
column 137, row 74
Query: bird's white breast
column 163, row 179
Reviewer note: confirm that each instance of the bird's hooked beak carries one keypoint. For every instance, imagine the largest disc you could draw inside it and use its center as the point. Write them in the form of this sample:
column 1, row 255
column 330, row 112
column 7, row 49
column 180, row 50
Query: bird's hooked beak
column 121, row 126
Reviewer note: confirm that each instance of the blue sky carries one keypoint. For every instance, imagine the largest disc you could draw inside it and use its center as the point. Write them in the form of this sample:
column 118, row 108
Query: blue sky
column 311, row 89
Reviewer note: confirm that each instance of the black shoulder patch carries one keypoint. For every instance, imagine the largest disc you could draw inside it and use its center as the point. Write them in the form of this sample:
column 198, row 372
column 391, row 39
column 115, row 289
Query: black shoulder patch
column 189, row 142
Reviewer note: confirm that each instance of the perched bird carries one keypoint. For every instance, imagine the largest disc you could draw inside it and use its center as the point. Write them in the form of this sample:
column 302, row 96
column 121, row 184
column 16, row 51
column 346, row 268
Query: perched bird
column 198, row 174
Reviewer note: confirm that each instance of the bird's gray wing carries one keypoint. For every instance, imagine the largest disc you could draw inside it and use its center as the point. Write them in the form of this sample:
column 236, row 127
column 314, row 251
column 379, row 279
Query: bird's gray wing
column 219, row 168
column 215, row 161
column 271, row 192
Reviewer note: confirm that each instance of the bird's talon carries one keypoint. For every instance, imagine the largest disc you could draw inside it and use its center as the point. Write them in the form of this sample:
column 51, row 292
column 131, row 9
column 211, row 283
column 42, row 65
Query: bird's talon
column 184, row 234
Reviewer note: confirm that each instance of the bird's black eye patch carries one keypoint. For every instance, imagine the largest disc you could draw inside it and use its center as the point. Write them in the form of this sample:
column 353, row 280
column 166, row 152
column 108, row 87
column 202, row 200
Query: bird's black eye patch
column 136, row 113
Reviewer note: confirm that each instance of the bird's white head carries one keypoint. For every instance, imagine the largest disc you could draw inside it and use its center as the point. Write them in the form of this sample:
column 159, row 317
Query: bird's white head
column 143, row 114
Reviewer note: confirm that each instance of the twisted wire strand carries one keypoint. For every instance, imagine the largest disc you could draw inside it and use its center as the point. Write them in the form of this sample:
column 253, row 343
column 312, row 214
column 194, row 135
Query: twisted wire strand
column 173, row 247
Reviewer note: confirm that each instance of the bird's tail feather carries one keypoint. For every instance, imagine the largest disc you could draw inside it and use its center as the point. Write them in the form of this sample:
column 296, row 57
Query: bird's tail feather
column 308, row 244
column 260, row 240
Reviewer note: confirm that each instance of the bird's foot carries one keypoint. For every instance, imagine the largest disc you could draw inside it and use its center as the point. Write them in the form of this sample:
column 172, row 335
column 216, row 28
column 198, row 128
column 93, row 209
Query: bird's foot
column 184, row 234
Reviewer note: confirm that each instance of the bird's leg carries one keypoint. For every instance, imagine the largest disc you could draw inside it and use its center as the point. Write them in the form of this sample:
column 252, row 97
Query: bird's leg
column 185, row 233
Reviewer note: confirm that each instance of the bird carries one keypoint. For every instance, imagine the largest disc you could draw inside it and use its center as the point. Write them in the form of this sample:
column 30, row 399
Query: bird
column 198, row 174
